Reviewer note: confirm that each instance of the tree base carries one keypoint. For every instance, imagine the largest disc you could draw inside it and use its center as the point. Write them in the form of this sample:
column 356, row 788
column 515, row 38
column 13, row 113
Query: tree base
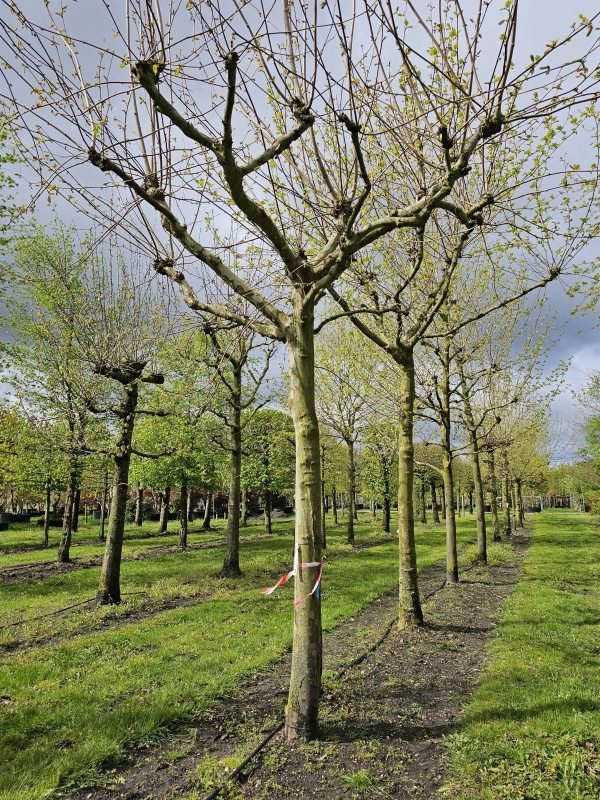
column 410, row 619
column 230, row 571
column 106, row 599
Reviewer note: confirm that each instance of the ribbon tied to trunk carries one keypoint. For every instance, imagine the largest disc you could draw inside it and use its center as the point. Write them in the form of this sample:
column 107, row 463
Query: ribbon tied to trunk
column 316, row 590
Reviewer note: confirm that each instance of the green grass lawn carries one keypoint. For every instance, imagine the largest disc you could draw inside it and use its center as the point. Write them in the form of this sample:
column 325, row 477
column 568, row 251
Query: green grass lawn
column 533, row 729
column 75, row 703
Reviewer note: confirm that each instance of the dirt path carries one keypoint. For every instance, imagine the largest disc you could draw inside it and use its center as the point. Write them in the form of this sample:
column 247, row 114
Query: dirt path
column 382, row 722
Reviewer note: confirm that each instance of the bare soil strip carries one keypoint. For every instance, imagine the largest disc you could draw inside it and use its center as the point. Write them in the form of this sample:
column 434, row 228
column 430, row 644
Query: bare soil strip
column 383, row 722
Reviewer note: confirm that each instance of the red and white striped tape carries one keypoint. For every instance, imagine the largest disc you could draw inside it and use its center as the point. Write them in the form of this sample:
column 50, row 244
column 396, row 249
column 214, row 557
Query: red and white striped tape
column 294, row 571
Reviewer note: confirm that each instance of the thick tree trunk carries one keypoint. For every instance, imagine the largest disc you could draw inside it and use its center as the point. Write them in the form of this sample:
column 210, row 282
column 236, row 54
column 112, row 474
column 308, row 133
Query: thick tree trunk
column 164, row 510
column 351, row 500
column 505, row 496
column 305, row 681
column 47, row 507
column 138, row 505
column 410, row 612
column 183, row 515
column 493, row 496
column 76, row 502
column 207, row 512
column 109, row 588
column 64, row 547
column 268, row 510
column 231, row 564
column 434, row 508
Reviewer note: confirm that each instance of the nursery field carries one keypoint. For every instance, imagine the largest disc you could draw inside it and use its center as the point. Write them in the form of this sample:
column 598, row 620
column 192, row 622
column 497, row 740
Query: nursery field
column 164, row 695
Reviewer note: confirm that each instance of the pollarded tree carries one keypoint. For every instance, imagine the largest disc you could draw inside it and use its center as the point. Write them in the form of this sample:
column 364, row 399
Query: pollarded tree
column 211, row 111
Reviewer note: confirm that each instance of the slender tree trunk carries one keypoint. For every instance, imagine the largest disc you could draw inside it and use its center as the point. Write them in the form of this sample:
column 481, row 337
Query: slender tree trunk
column 334, row 506
column 244, row 512
column 386, row 505
column 520, row 512
column 423, row 502
column 302, row 708
column 76, row 503
column 109, row 588
column 434, row 508
column 323, row 503
column 470, row 495
column 103, row 505
column 47, row 506
column 506, row 529
column 410, row 612
column 207, row 512
column 138, row 505
column 188, row 506
column 183, row 515
column 164, row 510
column 351, row 500
column 493, row 496
column 64, row 547
column 231, row 564
column 448, row 477
column 268, row 517
column 443, row 502
column 477, row 479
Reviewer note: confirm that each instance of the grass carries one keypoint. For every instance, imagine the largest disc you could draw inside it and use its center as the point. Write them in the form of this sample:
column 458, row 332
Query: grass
column 78, row 701
column 533, row 729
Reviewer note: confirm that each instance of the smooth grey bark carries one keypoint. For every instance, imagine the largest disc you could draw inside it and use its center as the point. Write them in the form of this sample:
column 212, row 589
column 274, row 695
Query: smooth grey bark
column 109, row 587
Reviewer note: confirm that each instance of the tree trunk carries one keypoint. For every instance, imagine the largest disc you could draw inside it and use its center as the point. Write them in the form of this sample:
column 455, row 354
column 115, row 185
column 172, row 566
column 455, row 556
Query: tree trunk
column 76, row 502
column 351, row 500
column 188, row 506
column 183, row 515
column 520, row 512
column 164, row 510
column 109, row 588
column 47, row 516
column 207, row 512
column 443, row 502
column 386, row 506
column 323, row 503
column 138, row 505
column 470, row 495
column 244, row 512
column 423, row 502
column 334, row 506
column 101, row 536
column 65, row 539
column 305, row 681
column 410, row 612
column 477, row 479
column 231, row 563
column 505, row 496
column 434, row 508
column 493, row 497
column 268, row 518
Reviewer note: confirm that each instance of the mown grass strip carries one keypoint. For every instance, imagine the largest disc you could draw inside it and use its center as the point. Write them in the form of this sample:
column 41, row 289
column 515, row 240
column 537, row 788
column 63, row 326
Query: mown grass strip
column 72, row 706
column 533, row 729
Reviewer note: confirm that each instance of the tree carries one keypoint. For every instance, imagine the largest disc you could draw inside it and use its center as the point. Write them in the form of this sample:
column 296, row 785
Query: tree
column 272, row 139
